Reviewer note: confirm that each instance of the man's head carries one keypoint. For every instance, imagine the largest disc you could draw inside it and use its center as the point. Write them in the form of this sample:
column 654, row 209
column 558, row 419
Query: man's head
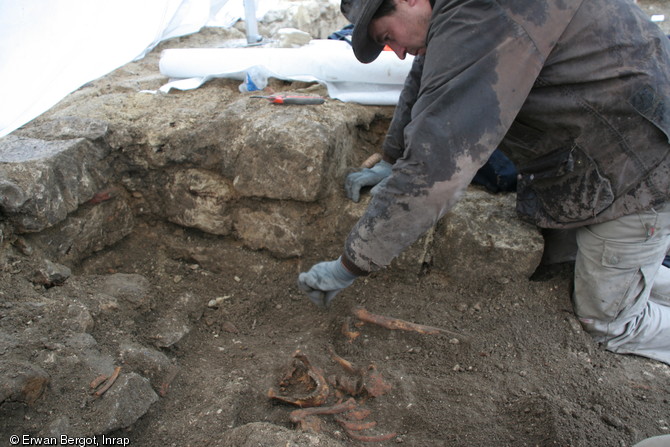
column 400, row 24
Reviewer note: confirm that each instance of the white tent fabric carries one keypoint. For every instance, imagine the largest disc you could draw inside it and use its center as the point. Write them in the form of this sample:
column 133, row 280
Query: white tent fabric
column 49, row 48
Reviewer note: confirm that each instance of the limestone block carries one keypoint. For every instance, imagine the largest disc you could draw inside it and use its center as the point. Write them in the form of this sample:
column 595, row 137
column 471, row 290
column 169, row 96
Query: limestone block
column 483, row 236
column 199, row 199
column 88, row 230
column 43, row 181
column 274, row 228
column 282, row 156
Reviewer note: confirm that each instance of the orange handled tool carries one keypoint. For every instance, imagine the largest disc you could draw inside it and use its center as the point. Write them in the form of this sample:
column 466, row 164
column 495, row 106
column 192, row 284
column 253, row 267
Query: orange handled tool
column 300, row 100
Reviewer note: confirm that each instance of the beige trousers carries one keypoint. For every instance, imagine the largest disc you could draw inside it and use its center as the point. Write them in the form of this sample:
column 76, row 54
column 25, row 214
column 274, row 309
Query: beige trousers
column 622, row 292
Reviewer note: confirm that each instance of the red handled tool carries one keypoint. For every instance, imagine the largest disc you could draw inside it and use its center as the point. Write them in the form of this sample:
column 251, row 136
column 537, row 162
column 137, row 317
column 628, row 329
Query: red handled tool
column 288, row 99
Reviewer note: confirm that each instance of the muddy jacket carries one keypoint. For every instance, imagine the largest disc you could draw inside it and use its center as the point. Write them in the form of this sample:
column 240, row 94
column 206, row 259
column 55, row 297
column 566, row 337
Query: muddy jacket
column 575, row 92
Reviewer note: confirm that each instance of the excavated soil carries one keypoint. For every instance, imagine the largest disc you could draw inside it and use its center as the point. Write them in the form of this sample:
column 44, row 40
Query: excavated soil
column 521, row 372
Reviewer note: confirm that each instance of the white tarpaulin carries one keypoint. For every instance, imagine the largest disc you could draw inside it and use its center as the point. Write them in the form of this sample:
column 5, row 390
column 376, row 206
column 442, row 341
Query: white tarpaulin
column 330, row 62
column 49, row 48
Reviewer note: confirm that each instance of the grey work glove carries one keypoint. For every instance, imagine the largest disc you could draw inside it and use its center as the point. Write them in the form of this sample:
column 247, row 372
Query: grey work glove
column 325, row 280
column 366, row 177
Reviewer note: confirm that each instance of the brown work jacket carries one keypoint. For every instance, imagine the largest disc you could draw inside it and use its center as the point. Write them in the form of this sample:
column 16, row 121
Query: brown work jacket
column 575, row 92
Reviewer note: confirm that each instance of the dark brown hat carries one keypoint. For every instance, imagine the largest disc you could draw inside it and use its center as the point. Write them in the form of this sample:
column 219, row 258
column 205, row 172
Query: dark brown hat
column 360, row 13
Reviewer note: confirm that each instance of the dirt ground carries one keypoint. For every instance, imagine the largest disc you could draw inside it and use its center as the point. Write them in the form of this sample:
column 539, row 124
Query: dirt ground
column 522, row 374
column 515, row 368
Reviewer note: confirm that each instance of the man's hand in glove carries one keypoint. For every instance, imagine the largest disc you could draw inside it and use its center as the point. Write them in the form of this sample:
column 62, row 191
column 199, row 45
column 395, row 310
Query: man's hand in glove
column 366, row 177
column 324, row 280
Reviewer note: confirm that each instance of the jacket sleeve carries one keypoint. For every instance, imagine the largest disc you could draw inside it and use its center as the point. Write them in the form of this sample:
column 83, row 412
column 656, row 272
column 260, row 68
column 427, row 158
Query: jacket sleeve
column 394, row 143
column 479, row 67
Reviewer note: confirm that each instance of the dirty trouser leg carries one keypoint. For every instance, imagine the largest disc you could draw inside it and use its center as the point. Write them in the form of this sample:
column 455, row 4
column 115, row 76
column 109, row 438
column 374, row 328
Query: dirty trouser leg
column 660, row 293
column 656, row 441
column 615, row 297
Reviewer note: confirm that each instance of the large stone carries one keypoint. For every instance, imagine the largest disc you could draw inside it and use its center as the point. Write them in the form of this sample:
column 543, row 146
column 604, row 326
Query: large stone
column 274, row 228
column 317, row 17
column 67, row 128
column 287, row 154
column 43, row 181
column 91, row 228
column 200, row 199
column 483, row 236
column 129, row 398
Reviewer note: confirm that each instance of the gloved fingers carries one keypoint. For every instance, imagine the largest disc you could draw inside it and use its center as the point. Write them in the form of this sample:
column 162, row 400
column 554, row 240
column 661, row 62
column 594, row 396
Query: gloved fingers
column 379, row 186
column 324, row 280
column 319, row 298
column 352, row 186
column 358, row 180
column 304, row 282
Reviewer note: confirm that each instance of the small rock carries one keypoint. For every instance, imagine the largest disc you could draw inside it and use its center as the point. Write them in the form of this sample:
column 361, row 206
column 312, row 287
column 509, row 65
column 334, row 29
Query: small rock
column 79, row 318
column 81, row 351
column 123, row 404
column 169, row 330
column 7, row 342
column 216, row 302
column 80, row 341
column 292, row 38
column 153, row 364
column 22, row 382
column 23, row 247
column 51, row 274
column 106, row 303
column 132, row 288
column 190, row 306
column 574, row 325
column 613, row 421
column 229, row 327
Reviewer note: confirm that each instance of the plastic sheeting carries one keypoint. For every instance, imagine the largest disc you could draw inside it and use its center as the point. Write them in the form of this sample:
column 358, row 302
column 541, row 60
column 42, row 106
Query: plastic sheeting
column 330, row 62
column 49, row 48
